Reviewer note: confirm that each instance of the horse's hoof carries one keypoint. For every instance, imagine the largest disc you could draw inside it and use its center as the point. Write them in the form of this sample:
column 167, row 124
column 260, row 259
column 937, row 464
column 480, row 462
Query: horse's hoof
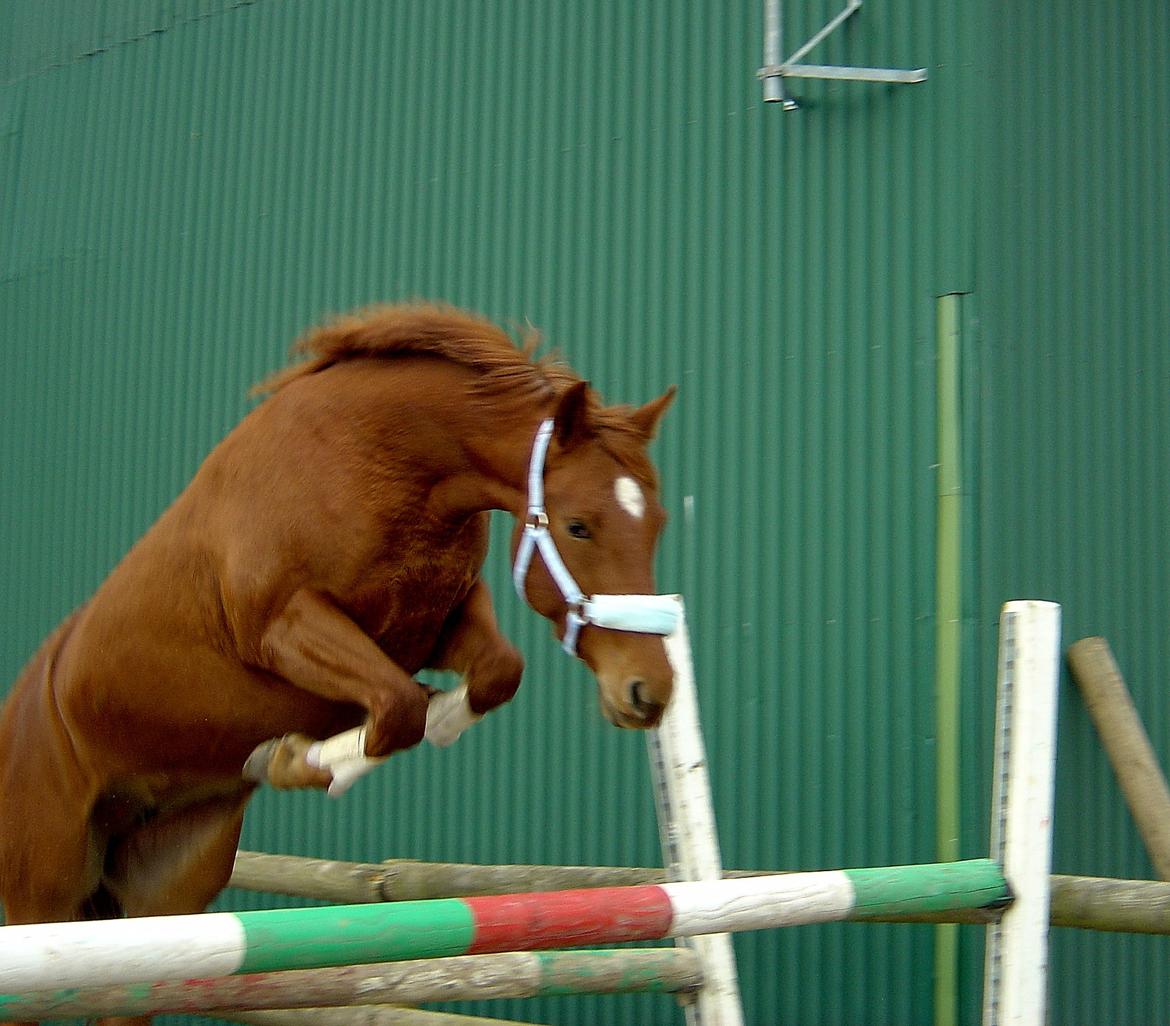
column 343, row 755
column 255, row 769
column 281, row 762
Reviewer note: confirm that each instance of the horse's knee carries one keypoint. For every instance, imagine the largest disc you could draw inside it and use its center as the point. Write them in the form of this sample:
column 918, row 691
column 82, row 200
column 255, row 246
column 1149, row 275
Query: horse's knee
column 397, row 721
column 495, row 679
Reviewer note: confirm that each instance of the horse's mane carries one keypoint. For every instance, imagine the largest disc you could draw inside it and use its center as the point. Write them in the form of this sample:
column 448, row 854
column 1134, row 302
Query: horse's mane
column 416, row 329
column 502, row 369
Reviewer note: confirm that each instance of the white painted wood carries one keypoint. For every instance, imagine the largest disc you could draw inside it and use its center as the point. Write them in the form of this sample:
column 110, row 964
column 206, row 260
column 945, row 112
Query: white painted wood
column 686, row 823
column 60, row 955
column 1016, row 969
column 759, row 903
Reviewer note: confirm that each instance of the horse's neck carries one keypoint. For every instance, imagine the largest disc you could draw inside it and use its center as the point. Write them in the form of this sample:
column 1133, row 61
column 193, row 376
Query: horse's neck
column 472, row 453
column 498, row 445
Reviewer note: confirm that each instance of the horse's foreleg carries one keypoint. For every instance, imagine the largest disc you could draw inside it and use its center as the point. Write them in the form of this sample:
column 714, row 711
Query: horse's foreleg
column 297, row 761
column 315, row 646
column 491, row 667
column 284, row 763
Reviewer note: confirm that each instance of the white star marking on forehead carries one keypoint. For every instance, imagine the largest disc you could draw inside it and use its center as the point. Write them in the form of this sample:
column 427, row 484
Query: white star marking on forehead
column 630, row 497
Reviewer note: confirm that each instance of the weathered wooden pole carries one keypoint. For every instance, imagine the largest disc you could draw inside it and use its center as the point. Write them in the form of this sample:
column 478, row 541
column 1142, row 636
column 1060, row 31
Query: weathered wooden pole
column 1078, row 902
column 368, row 1015
column 1127, row 745
column 524, row 974
column 410, row 880
column 1118, row 906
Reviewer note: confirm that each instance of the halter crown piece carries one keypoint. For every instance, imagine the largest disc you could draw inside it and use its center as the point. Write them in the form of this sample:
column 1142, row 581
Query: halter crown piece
column 643, row 614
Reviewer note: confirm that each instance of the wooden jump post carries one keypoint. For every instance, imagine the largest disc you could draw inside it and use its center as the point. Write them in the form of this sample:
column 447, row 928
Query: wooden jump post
column 689, row 839
column 1015, row 975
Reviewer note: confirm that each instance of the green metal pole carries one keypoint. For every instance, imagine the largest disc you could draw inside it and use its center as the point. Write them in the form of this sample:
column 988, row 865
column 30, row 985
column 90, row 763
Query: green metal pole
column 948, row 641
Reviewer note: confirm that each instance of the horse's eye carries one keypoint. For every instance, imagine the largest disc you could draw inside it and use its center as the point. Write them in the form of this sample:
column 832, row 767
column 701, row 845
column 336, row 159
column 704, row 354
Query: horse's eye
column 577, row 529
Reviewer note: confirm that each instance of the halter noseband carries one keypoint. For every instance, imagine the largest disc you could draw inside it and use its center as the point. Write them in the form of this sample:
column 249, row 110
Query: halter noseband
column 643, row 614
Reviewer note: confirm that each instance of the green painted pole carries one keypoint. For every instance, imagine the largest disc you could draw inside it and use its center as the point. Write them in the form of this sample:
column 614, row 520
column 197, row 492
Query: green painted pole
column 948, row 640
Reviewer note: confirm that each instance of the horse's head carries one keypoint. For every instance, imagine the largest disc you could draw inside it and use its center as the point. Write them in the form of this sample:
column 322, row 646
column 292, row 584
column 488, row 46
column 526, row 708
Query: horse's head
column 594, row 519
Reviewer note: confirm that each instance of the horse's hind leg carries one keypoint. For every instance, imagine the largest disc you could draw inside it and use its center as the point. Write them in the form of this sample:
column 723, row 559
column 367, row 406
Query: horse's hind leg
column 179, row 861
column 175, row 864
column 54, row 881
column 50, row 861
column 49, row 898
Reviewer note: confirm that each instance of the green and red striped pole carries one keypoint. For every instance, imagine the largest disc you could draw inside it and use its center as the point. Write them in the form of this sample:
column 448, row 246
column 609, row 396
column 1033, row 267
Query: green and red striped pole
column 57, row 955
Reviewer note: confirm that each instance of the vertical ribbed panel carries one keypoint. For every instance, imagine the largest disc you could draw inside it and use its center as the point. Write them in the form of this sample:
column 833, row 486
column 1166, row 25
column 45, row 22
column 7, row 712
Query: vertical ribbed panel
column 188, row 185
column 1075, row 332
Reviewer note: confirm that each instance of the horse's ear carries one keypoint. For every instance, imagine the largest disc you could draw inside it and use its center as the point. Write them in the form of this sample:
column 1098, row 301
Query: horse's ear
column 645, row 418
column 572, row 416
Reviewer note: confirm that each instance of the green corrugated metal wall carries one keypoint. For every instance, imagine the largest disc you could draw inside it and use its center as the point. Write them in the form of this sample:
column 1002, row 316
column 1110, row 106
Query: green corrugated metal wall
column 189, row 184
column 1073, row 302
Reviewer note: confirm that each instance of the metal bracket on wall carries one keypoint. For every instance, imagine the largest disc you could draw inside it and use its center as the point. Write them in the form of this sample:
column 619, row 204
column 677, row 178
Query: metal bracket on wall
column 775, row 69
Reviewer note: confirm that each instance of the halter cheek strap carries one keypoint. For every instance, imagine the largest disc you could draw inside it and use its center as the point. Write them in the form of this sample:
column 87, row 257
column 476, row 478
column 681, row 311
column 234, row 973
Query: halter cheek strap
column 643, row 614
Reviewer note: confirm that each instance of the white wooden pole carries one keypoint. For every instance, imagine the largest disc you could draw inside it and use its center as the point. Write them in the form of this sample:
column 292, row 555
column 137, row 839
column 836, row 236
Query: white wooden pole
column 686, row 824
column 1016, row 970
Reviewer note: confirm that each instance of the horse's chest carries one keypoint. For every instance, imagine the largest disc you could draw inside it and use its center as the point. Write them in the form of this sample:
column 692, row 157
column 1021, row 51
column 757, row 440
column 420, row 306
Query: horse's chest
column 409, row 601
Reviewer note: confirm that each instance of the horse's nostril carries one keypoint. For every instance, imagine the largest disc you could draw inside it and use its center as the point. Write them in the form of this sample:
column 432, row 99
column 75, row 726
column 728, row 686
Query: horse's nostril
column 640, row 701
column 636, row 698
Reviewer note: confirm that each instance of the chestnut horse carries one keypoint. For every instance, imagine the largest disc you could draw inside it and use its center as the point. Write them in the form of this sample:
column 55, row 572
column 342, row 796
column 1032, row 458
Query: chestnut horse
column 327, row 550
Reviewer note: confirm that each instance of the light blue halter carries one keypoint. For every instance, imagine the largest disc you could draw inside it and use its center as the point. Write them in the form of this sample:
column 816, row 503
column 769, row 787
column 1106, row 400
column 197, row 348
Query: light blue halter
column 643, row 614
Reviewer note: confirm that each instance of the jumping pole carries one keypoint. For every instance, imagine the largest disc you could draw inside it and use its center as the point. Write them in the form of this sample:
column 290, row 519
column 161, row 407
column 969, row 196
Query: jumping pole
column 56, row 955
